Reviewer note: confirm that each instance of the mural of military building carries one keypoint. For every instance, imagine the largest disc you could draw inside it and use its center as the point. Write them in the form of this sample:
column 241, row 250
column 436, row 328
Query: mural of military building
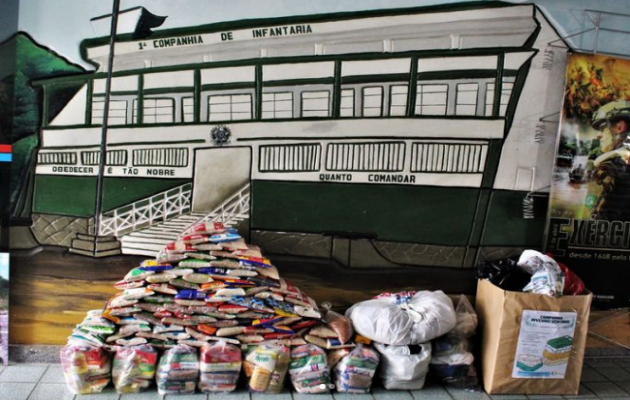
column 391, row 137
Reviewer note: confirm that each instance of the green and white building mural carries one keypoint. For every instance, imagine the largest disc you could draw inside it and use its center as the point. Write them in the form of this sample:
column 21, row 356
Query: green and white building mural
column 380, row 138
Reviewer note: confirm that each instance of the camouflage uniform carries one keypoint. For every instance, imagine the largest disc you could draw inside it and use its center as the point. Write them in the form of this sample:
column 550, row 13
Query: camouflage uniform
column 612, row 169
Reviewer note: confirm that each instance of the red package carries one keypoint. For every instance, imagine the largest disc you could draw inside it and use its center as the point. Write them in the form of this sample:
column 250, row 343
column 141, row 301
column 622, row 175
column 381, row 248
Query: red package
column 573, row 285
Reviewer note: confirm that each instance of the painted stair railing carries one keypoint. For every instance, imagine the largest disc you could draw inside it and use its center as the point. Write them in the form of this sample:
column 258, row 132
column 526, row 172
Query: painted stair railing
column 147, row 212
column 150, row 241
column 232, row 211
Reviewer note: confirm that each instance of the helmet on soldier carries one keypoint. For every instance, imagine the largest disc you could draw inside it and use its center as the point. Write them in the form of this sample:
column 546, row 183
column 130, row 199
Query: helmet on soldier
column 614, row 110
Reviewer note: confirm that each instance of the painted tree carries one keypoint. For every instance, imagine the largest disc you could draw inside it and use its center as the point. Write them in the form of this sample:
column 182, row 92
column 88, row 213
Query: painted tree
column 21, row 104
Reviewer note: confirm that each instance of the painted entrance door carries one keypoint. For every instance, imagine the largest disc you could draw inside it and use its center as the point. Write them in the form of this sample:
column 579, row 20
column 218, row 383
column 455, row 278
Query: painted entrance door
column 219, row 173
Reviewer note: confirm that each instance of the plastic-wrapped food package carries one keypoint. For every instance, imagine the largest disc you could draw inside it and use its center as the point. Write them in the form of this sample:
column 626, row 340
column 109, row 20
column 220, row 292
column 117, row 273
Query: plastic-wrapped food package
column 266, row 367
column 178, row 370
column 341, row 324
column 220, row 366
column 547, row 277
column 403, row 318
column 354, row 373
column 87, row 369
column 134, row 368
column 309, row 369
column 452, row 362
column 334, row 356
column 404, row 367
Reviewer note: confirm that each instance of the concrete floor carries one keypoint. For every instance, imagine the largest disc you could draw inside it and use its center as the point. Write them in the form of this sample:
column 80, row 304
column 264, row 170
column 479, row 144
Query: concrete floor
column 602, row 378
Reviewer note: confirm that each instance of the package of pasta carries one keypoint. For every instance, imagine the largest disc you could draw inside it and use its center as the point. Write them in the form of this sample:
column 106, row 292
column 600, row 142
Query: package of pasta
column 87, row 369
column 134, row 368
column 220, row 366
column 178, row 370
column 266, row 368
column 354, row 373
column 309, row 369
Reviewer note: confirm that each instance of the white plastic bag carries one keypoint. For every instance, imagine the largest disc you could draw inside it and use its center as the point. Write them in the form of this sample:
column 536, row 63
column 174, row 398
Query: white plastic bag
column 400, row 369
column 414, row 320
column 547, row 277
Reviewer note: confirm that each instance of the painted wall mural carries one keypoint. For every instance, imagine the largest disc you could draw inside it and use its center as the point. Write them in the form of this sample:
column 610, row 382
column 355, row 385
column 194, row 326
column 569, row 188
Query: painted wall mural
column 373, row 140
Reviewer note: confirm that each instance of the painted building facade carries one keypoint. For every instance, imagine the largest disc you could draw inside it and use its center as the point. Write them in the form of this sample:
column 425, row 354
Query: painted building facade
column 405, row 137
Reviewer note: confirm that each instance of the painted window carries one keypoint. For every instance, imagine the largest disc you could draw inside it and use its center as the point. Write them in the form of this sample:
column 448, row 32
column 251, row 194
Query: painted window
column 448, row 157
column 290, row 158
column 347, row 103
column 277, row 105
column 372, row 101
column 230, row 107
column 114, row 157
column 316, row 104
column 176, row 157
column 432, row 99
column 57, row 158
column 386, row 156
column 466, row 99
column 188, row 109
column 506, row 93
column 156, row 110
column 398, row 100
column 117, row 112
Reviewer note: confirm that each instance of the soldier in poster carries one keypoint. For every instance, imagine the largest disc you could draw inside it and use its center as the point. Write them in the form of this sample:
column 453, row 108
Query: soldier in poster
column 589, row 208
column 612, row 168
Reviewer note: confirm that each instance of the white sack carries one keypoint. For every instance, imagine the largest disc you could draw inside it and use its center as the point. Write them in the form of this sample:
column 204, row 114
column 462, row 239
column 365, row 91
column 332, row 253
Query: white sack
column 402, row 370
column 426, row 316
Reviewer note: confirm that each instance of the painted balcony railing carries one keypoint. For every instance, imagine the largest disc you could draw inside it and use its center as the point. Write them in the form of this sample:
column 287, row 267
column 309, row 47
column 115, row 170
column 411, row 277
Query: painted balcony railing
column 146, row 212
column 230, row 212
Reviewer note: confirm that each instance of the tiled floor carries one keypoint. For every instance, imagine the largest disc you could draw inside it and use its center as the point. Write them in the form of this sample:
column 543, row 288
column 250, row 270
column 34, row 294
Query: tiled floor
column 602, row 378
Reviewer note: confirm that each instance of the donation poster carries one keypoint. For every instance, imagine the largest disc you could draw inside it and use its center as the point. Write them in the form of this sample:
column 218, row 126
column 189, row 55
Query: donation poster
column 589, row 210
column 544, row 344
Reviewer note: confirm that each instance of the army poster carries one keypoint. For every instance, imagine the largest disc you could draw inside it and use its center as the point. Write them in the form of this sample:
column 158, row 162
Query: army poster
column 589, row 209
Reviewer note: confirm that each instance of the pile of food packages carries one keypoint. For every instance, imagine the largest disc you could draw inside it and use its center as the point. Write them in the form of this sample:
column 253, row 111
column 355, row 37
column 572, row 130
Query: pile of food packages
column 211, row 308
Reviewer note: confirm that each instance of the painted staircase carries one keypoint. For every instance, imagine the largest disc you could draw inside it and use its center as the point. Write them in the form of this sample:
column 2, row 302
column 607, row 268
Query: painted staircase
column 149, row 241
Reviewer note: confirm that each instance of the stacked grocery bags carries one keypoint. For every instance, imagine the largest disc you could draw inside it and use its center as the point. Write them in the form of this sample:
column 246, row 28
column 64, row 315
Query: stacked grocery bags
column 417, row 333
column 210, row 308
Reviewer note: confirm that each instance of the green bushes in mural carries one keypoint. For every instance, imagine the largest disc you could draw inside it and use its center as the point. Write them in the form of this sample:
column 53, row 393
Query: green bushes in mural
column 21, row 105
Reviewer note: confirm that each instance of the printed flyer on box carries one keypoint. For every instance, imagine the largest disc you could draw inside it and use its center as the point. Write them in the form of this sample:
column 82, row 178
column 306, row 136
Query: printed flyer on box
column 544, row 344
column 589, row 214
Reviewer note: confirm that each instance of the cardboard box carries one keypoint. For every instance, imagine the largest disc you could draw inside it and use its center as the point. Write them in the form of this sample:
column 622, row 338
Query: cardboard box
column 531, row 343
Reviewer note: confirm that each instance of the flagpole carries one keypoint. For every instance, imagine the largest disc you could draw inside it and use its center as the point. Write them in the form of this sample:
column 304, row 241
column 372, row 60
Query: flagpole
column 103, row 150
